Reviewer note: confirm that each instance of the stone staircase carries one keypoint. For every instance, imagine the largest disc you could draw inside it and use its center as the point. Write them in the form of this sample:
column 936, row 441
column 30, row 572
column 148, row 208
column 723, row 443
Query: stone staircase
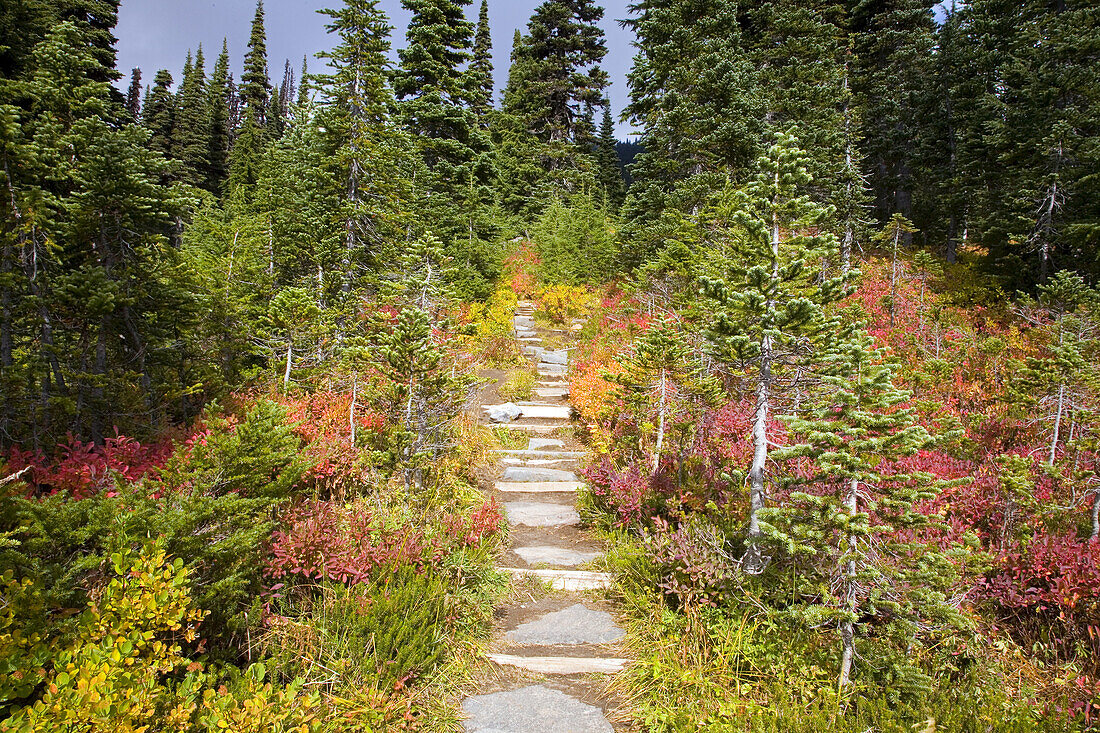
column 550, row 646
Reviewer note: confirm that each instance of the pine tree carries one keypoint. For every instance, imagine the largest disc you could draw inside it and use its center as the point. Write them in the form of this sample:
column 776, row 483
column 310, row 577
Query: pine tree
column 303, row 84
column 769, row 303
column 561, row 80
column 355, row 106
column 255, row 81
column 607, row 158
column 849, row 503
column 434, row 103
column 481, row 66
column 159, row 114
column 191, row 143
column 659, row 377
column 218, row 98
column 133, row 95
column 696, row 98
column 516, row 147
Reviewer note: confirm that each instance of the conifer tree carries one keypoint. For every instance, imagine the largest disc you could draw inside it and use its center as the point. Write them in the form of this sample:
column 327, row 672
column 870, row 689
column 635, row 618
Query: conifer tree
column 159, row 114
column 191, row 143
column 516, row 147
column 849, row 504
column 303, row 84
column 218, row 98
column 695, row 96
column 133, row 95
column 607, row 157
column 255, row 81
column 561, row 80
column 481, row 66
column 768, row 304
column 355, row 106
column 434, row 103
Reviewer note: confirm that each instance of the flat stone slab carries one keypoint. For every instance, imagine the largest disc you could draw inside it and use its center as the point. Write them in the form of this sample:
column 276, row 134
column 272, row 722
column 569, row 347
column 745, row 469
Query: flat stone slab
column 533, row 350
column 556, row 357
column 538, row 487
column 547, row 412
column 539, row 514
column 544, row 444
column 551, row 555
column 548, row 392
column 535, row 428
column 522, row 474
column 564, row 579
column 545, row 462
column 503, row 413
column 525, row 320
column 538, row 453
column 551, row 369
column 577, row 624
column 561, row 665
column 534, row 708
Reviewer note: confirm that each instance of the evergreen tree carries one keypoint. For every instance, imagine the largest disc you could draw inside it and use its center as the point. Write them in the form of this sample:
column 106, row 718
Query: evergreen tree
column 133, row 95
column 435, row 98
column 191, row 144
column 303, row 84
column 768, row 304
column 355, row 106
column 159, row 114
column 694, row 93
column 516, row 147
column 218, row 99
column 255, row 81
column 850, row 503
column 607, row 158
column 481, row 66
column 561, row 81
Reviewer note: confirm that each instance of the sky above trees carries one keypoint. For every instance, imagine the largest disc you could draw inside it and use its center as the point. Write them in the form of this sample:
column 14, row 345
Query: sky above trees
column 155, row 34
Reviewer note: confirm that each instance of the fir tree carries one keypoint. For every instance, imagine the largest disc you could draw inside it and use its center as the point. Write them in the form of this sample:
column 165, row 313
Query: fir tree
column 561, row 80
column 133, row 95
column 850, row 503
column 607, row 158
column 769, row 303
column 159, row 114
column 191, row 143
column 481, row 65
column 303, row 84
column 255, row 81
column 435, row 100
column 218, row 99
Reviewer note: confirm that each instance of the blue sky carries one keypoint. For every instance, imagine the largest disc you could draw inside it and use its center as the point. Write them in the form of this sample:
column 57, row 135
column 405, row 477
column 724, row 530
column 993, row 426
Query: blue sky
column 156, row 34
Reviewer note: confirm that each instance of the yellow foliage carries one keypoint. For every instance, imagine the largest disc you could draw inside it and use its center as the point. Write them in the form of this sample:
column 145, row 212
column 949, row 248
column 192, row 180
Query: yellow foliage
column 560, row 302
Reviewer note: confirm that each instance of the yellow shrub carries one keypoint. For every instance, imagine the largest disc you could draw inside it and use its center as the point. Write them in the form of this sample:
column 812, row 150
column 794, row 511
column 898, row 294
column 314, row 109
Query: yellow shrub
column 560, row 302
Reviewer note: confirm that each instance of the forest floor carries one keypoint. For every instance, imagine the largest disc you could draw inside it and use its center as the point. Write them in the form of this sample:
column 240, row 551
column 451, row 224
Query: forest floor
column 556, row 640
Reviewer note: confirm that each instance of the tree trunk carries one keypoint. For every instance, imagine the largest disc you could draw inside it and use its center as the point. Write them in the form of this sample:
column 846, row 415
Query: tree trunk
column 289, row 361
column 848, row 627
column 1095, row 515
column 1057, row 424
column 660, row 426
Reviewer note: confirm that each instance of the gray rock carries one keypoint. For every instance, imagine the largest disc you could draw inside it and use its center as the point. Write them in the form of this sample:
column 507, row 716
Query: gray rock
column 538, row 514
column 533, row 350
column 520, row 474
column 577, row 624
column 533, row 708
column 548, row 392
column 552, row 370
column 544, row 443
column 547, row 411
column 556, row 357
column 503, row 413
column 549, row 555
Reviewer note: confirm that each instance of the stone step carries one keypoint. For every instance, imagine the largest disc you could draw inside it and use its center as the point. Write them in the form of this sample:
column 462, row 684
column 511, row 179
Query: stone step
column 577, row 624
column 555, row 357
column 533, row 428
column 538, row 487
column 540, row 514
column 528, row 453
column 564, row 579
column 529, row 339
column 540, row 411
column 524, row 475
column 544, row 444
column 547, row 392
column 532, row 708
column 548, row 462
column 561, row 665
column 552, row 555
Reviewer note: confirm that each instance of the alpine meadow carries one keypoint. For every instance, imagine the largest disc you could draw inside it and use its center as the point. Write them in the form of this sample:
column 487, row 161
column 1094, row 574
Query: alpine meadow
column 392, row 389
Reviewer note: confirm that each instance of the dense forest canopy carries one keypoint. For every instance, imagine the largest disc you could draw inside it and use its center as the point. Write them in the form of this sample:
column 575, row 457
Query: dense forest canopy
column 836, row 331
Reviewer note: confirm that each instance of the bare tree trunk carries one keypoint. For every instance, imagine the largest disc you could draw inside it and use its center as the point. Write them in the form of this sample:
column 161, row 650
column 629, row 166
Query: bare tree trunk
column 1057, row 424
column 354, row 394
column 660, row 425
column 848, row 627
column 1095, row 515
column 289, row 361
